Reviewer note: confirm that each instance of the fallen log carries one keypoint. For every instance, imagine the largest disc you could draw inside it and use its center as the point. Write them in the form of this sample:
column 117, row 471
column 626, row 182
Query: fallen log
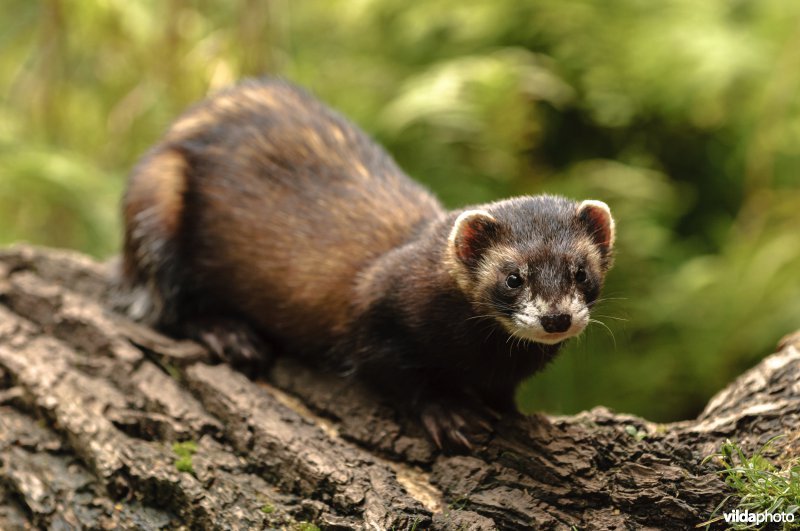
column 105, row 423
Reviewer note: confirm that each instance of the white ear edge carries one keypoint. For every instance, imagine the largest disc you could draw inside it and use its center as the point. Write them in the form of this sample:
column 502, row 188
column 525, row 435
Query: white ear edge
column 464, row 216
column 596, row 203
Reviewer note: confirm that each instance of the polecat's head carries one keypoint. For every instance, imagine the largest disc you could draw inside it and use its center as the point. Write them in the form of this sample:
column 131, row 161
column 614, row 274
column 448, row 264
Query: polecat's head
column 535, row 264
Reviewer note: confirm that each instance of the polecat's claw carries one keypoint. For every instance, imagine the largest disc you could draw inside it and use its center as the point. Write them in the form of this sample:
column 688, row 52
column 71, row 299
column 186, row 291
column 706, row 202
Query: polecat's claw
column 456, row 428
column 231, row 341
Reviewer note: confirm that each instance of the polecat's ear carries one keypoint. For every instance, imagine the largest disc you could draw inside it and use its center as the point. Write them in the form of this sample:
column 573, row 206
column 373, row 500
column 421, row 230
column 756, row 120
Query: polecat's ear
column 596, row 217
column 473, row 233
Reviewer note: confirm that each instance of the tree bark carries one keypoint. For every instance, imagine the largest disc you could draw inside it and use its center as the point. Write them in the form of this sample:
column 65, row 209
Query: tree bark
column 92, row 404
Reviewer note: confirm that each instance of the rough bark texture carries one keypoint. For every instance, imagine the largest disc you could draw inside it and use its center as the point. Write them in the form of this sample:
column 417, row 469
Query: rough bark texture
column 91, row 406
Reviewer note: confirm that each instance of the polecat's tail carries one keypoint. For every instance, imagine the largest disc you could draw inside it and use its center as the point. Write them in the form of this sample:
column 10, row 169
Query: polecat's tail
column 153, row 208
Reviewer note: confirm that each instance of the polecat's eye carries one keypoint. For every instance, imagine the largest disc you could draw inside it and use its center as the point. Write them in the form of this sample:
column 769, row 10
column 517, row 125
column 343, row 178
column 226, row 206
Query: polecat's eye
column 580, row 275
column 513, row 281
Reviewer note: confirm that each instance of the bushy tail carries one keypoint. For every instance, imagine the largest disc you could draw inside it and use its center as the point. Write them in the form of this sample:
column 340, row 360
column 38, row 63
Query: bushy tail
column 149, row 284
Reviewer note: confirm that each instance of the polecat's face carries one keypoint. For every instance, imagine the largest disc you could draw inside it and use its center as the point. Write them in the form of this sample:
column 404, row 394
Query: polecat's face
column 535, row 264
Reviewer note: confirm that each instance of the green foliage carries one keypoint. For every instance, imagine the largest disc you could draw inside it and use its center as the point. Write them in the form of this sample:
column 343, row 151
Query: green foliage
column 681, row 115
column 184, row 450
column 636, row 433
column 760, row 486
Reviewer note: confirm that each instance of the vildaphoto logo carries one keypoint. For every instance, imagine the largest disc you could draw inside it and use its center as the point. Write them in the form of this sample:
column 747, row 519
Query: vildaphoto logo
column 746, row 517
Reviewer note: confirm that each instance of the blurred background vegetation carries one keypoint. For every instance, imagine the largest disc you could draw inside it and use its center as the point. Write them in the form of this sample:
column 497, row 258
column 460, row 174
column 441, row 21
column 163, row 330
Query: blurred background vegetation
column 682, row 115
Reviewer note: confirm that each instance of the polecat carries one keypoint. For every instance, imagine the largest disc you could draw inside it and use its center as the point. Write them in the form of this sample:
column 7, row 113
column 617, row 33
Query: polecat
column 262, row 206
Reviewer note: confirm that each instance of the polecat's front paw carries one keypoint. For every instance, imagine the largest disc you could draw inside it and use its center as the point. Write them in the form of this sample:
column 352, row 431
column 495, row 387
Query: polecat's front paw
column 454, row 427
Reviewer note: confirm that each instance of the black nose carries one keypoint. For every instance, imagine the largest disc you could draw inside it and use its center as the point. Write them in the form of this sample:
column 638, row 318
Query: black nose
column 556, row 322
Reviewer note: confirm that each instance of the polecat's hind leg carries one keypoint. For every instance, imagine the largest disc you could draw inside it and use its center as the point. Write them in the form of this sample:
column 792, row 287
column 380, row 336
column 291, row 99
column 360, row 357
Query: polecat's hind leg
column 231, row 340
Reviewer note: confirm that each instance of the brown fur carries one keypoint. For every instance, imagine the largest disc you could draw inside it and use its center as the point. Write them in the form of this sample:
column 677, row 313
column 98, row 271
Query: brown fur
column 287, row 253
column 266, row 207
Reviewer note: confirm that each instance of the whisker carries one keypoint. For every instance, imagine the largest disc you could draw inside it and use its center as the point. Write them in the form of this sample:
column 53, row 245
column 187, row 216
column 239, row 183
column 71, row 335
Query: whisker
column 611, row 317
column 491, row 331
column 601, row 323
column 484, row 316
column 606, row 299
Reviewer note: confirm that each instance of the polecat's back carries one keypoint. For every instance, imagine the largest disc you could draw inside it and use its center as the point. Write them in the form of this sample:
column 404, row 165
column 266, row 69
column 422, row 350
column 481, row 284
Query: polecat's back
column 266, row 196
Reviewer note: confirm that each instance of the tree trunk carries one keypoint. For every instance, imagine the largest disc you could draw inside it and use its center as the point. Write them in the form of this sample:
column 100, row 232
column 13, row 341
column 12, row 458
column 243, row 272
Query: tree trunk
column 92, row 406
